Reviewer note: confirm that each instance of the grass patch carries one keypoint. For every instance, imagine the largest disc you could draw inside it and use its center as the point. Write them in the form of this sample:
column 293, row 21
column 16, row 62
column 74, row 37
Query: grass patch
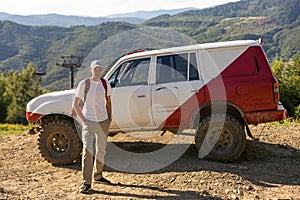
column 286, row 122
column 7, row 129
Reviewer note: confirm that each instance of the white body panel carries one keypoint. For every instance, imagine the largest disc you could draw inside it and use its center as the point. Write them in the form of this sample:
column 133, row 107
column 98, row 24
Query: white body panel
column 146, row 107
column 131, row 107
column 54, row 102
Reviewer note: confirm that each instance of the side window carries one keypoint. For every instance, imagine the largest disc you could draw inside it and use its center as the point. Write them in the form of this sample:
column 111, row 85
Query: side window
column 171, row 68
column 133, row 72
column 176, row 68
column 193, row 68
column 114, row 77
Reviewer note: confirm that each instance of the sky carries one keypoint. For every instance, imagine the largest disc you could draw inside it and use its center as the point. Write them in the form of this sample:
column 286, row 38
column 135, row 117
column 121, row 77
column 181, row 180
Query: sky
column 98, row 8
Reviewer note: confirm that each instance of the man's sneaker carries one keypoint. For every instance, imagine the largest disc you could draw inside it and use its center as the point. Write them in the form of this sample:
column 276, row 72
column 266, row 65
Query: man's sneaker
column 103, row 181
column 85, row 188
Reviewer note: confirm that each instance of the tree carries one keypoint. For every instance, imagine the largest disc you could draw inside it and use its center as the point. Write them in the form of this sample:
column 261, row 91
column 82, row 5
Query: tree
column 288, row 76
column 3, row 100
column 21, row 87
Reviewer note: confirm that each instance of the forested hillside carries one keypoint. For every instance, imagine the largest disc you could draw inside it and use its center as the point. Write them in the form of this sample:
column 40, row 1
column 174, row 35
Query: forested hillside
column 44, row 45
column 276, row 21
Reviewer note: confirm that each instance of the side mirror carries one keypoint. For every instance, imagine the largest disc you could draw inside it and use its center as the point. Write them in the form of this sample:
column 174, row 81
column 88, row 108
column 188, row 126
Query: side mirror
column 112, row 83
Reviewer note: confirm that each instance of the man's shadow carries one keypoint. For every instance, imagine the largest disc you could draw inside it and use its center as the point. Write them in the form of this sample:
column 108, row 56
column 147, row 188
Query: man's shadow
column 172, row 194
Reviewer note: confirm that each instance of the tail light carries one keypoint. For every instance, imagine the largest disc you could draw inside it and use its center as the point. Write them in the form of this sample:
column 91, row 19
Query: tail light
column 276, row 93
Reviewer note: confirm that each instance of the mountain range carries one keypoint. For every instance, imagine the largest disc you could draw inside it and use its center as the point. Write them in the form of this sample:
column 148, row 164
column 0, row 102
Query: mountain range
column 277, row 22
column 68, row 21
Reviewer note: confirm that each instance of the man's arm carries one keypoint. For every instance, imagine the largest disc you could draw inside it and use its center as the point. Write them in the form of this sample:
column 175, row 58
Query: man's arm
column 77, row 109
column 108, row 107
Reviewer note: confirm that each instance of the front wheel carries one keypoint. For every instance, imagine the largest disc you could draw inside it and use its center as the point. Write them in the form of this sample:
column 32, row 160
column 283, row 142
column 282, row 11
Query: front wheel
column 220, row 137
column 59, row 142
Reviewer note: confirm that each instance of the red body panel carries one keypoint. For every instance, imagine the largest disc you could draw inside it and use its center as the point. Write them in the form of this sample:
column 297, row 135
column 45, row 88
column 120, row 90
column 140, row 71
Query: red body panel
column 246, row 83
column 33, row 117
column 265, row 116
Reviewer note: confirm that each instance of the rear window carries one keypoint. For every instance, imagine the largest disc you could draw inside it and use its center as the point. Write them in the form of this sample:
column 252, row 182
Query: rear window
column 176, row 68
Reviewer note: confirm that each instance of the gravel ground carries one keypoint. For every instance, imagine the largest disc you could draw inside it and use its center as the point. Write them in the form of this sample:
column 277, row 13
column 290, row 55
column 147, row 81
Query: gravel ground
column 268, row 169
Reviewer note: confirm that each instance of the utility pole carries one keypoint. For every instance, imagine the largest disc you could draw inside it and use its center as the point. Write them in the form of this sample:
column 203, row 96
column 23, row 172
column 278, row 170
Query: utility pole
column 71, row 62
column 38, row 72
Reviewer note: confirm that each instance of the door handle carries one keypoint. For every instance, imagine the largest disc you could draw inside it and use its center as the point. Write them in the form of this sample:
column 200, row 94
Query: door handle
column 161, row 88
column 142, row 96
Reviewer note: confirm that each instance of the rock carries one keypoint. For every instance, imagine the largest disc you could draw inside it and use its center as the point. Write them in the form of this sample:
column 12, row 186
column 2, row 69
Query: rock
column 204, row 193
column 227, row 191
column 249, row 187
column 2, row 190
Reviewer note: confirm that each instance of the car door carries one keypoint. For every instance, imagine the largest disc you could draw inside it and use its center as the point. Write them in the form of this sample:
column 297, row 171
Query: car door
column 177, row 80
column 131, row 95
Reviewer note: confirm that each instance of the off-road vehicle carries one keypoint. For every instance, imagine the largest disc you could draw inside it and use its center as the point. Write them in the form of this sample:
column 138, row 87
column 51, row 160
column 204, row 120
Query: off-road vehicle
column 217, row 89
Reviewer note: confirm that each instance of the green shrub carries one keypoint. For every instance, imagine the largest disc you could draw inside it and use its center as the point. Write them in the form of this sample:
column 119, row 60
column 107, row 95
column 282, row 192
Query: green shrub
column 288, row 76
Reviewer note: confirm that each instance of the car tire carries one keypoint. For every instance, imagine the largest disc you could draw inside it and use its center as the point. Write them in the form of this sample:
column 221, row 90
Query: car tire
column 220, row 137
column 59, row 142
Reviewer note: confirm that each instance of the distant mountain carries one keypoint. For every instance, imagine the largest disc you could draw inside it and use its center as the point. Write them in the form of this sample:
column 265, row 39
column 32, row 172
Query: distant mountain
column 277, row 22
column 151, row 14
column 63, row 20
column 68, row 21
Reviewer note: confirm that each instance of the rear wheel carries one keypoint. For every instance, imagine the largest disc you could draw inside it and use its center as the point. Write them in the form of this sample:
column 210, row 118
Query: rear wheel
column 220, row 137
column 59, row 142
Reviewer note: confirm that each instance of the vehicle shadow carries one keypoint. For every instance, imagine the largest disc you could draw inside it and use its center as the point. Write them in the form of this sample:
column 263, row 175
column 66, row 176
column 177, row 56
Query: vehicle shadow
column 261, row 163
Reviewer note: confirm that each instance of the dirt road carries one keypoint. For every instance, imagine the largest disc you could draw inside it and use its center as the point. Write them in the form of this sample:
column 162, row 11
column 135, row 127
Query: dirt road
column 268, row 169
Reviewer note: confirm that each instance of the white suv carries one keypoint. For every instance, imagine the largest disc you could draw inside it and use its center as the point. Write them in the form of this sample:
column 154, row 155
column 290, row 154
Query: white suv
column 215, row 88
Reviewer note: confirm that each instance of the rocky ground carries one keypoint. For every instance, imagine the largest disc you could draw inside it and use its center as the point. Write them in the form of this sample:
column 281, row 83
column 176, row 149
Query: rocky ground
column 268, row 169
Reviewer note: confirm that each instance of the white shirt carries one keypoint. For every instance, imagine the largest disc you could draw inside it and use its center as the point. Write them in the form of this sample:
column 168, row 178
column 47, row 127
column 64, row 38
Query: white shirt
column 94, row 108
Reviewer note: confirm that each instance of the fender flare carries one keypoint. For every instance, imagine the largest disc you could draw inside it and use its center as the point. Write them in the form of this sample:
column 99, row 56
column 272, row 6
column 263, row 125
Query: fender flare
column 220, row 106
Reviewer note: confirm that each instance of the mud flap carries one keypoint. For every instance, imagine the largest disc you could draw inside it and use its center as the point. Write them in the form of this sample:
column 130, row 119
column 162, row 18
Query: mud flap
column 249, row 133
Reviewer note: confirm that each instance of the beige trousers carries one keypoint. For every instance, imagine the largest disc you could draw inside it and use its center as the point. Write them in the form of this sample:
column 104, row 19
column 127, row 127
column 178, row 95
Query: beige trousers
column 94, row 139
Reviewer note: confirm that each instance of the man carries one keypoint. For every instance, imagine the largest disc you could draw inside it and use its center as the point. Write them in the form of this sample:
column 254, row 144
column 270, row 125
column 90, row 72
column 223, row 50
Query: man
column 96, row 118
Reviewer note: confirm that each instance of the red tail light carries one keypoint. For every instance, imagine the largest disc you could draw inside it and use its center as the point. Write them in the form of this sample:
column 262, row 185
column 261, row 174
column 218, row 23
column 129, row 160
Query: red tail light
column 275, row 93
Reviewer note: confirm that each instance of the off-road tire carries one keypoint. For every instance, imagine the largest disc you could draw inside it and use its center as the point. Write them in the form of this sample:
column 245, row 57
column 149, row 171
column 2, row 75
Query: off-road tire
column 220, row 137
column 59, row 142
